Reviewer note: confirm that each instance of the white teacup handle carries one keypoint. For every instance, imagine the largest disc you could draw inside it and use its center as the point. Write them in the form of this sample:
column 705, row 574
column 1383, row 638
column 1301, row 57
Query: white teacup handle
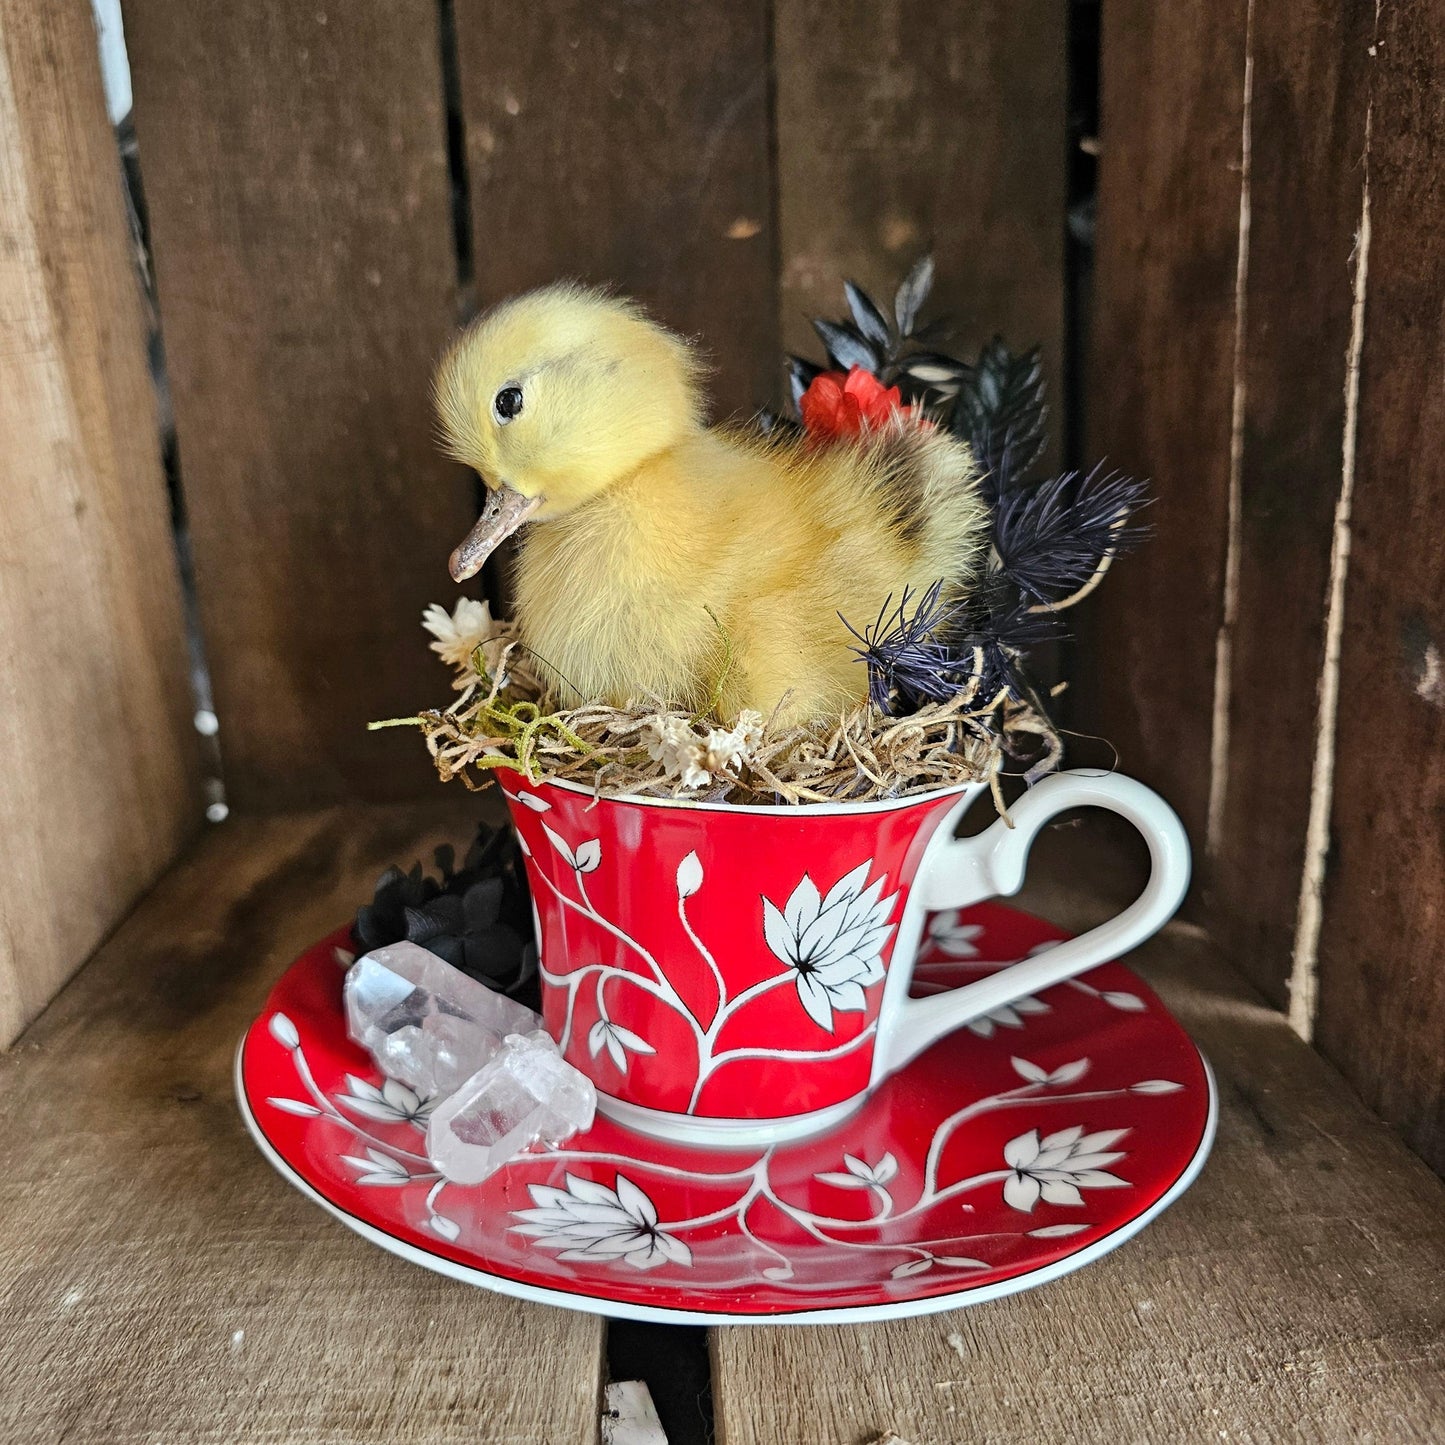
column 957, row 872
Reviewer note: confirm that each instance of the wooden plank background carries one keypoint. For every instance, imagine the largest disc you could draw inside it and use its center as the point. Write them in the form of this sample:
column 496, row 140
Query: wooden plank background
column 1307, row 140
column 1292, row 421
column 1160, row 388
column 628, row 145
column 1382, row 945
column 98, row 787
column 892, row 139
column 296, row 172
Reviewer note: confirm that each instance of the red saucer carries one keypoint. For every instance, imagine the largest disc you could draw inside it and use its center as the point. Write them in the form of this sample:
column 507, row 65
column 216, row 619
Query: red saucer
column 1016, row 1150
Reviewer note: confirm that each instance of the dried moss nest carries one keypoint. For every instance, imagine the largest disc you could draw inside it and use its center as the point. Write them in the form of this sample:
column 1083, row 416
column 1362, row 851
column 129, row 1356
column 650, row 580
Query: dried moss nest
column 509, row 719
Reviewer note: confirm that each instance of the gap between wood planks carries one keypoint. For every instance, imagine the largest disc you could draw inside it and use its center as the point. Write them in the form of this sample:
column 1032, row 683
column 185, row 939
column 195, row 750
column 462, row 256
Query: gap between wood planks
column 1304, row 969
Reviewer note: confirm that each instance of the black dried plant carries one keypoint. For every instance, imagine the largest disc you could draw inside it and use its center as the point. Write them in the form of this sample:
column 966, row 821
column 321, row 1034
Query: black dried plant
column 1052, row 540
column 910, row 660
column 477, row 917
column 1001, row 413
column 929, row 650
column 893, row 347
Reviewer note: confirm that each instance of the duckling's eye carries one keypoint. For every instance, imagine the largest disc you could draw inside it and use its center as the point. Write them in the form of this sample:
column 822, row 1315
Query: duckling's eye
column 506, row 404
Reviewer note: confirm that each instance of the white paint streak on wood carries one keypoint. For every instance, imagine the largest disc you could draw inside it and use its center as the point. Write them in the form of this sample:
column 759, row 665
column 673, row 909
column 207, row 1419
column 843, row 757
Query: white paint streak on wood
column 1224, row 641
column 1430, row 684
column 630, row 1418
column 1304, row 968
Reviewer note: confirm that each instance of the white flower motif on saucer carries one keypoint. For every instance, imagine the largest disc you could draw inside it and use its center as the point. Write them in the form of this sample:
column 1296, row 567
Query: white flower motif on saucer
column 587, row 1220
column 859, row 1175
column 1010, row 1016
column 378, row 1168
column 1129, row 1003
column 1057, row 1166
column 949, row 936
column 834, row 943
column 392, row 1103
column 618, row 1041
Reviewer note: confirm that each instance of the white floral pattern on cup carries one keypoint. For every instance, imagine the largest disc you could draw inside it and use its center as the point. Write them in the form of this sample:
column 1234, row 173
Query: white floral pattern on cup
column 833, row 942
column 832, row 945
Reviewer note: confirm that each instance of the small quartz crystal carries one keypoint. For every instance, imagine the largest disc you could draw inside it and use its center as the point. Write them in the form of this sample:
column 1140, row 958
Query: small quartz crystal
column 426, row 1023
column 527, row 1092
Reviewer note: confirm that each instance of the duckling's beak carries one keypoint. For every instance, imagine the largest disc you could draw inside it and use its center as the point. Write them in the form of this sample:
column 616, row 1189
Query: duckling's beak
column 504, row 512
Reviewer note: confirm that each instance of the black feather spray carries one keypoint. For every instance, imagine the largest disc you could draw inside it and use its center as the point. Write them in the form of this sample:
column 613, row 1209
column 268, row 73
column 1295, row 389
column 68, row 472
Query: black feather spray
column 1052, row 539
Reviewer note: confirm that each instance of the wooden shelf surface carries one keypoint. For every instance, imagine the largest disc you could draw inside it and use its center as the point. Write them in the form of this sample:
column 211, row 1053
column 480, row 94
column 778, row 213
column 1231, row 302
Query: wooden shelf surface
column 162, row 1284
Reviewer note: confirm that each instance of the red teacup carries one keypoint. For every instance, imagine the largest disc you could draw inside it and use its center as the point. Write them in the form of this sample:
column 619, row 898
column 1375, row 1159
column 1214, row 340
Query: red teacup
column 733, row 974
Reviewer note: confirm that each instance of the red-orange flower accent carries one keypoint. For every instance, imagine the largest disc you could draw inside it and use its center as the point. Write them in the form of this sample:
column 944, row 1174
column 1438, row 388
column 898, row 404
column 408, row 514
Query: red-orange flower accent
column 836, row 406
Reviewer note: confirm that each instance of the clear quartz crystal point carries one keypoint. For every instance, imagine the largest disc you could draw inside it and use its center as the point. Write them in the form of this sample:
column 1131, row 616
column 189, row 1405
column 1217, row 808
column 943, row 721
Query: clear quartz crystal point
column 527, row 1092
column 424, row 1022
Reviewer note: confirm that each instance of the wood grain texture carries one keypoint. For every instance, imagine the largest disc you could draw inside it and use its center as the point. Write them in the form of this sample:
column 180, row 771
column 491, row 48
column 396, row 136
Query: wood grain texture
column 1381, row 980
column 1159, row 395
column 296, row 172
column 904, row 126
column 98, row 786
column 1293, row 1294
column 628, row 145
column 161, row 1282
column 1311, row 68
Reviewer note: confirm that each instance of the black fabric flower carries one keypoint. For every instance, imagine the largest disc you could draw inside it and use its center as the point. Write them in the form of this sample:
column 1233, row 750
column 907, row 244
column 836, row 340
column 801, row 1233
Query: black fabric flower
column 478, row 917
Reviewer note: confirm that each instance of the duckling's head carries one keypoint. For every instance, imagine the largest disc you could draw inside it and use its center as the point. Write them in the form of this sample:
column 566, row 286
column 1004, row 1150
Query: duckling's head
column 553, row 397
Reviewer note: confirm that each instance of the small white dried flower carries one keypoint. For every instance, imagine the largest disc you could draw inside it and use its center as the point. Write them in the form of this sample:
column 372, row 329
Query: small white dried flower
column 694, row 774
column 673, row 743
column 750, row 728
column 726, row 750
column 721, row 752
column 458, row 636
column 666, row 735
column 698, row 759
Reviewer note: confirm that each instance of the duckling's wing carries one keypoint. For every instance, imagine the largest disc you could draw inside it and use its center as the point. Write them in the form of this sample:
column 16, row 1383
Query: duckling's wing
column 926, row 484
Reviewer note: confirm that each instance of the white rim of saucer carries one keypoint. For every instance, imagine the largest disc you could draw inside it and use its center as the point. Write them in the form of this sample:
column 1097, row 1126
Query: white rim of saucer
column 596, row 1304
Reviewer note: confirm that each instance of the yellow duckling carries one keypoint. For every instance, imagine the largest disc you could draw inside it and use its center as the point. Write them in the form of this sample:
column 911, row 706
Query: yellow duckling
column 648, row 531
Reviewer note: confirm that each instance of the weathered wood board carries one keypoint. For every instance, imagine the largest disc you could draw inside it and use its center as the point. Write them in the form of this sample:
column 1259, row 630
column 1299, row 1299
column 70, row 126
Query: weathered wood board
column 1275, row 363
column 296, row 173
column 1382, row 945
column 1160, row 390
column 98, row 786
column 628, row 145
column 162, row 1283
column 902, row 128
